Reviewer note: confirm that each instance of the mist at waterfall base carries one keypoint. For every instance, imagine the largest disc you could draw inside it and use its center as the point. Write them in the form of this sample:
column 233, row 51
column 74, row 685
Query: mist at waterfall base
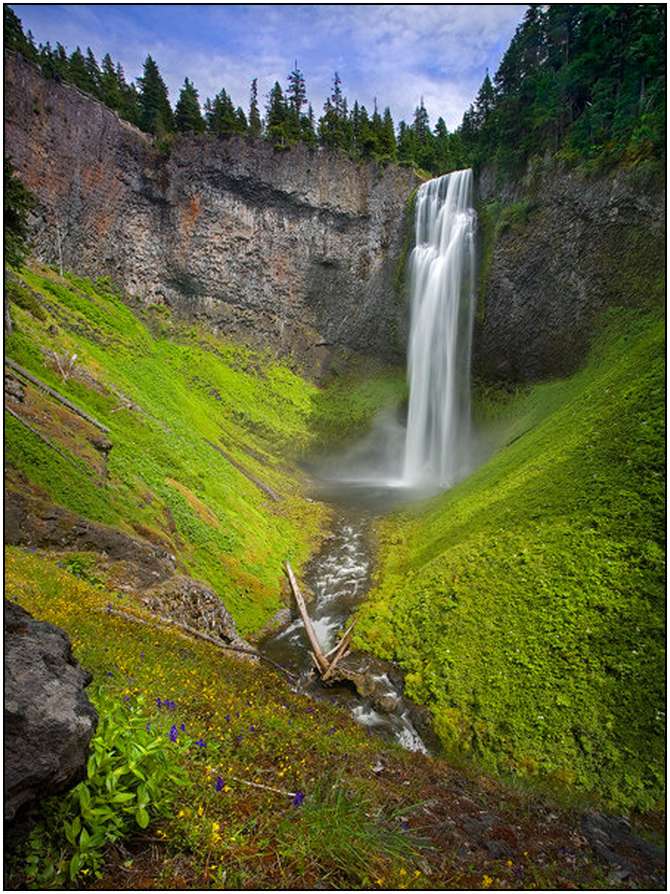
column 431, row 446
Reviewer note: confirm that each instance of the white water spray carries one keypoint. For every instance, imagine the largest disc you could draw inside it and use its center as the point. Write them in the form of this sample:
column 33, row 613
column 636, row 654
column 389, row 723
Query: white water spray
column 438, row 438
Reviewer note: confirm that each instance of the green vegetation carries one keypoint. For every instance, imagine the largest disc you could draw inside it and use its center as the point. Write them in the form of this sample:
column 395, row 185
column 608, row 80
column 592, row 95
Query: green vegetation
column 168, row 391
column 319, row 814
column 526, row 604
column 131, row 778
column 583, row 82
column 18, row 202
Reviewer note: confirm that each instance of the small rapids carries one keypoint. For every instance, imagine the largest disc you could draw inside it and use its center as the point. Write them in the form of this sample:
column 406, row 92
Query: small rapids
column 339, row 577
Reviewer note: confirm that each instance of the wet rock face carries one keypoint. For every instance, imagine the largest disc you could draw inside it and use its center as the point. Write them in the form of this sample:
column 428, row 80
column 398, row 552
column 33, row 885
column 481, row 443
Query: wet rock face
column 295, row 249
column 574, row 246
column 49, row 721
column 383, row 683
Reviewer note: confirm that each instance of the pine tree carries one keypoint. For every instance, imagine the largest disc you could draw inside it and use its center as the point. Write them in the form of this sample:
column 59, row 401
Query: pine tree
column 110, row 88
column 18, row 202
column 187, row 115
column 78, row 73
column 388, row 148
column 14, row 37
column 307, row 128
column 334, row 125
column 93, row 72
column 155, row 112
column 241, row 120
column 255, row 123
column 221, row 116
column 276, row 115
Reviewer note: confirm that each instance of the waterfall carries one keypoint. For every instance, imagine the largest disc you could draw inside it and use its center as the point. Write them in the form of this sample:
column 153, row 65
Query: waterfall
column 437, row 443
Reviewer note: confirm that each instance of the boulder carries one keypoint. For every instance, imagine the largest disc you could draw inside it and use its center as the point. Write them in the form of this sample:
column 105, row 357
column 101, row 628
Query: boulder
column 49, row 721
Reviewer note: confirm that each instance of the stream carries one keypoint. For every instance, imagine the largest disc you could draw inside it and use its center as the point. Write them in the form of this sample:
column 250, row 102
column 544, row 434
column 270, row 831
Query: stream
column 397, row 462
column 339, row 577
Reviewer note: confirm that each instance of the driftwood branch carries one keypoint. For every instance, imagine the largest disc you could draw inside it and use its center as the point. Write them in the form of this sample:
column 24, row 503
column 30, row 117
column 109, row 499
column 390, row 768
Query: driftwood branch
column 55, row 394
column 197, row 634
column 39, row 435
column 340, row 652
column 267, row 788
column 325, row 664
column 309, row 630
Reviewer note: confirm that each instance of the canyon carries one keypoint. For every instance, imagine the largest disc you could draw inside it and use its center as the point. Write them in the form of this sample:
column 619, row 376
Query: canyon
column 303, row 250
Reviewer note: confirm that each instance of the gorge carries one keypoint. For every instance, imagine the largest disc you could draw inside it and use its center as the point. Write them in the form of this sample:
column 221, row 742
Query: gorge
column 226, row 326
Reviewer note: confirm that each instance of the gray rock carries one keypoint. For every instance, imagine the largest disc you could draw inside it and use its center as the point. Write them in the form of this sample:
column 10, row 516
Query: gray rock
column 295, row 249
column 49, row 721
column 196, row 605
column 580, row 244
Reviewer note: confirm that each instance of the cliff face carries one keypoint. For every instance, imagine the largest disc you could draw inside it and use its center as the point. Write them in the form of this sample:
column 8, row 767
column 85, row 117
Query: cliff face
column 294, row 249
column 299, row 250
column 556, row 248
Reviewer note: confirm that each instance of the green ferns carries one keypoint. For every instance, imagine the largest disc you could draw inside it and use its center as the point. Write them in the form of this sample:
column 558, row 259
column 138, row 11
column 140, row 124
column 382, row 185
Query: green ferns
column 526, row 604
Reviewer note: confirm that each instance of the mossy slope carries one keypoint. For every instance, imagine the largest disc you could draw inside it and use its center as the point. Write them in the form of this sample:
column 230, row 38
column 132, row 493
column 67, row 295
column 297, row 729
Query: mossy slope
column 527, row 603
column 168, row 391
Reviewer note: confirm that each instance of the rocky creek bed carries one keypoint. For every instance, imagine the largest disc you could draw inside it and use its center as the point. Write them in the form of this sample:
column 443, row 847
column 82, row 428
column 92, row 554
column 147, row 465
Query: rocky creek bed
column 338, row 578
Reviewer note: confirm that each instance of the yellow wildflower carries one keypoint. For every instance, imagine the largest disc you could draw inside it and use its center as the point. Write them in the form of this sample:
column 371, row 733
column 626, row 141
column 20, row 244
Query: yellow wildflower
column 487, row 881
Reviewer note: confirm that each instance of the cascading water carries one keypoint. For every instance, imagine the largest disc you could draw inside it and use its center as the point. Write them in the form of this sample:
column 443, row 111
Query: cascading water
column 438, row 436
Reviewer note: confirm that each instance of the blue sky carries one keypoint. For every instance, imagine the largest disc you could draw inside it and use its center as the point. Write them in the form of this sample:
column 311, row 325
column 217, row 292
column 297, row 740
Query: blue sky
column 396, row 53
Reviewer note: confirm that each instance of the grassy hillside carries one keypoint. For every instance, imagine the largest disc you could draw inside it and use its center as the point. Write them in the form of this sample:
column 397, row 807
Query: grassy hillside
column 171, row 393
column 248, row 785
column 527, row 604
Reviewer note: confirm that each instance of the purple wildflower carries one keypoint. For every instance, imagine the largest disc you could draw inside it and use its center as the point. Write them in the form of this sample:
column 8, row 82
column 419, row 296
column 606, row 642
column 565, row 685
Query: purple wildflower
column 298, row 798
column 183, row 727
column 252, row 728
column 148, row 727
column 126, row 698
column 404, row 825
column 201, row 743
column 159, row 702
column 110, row 674
column 173, row 733
column 227, row 718
column 238, row 739
column 218, row 785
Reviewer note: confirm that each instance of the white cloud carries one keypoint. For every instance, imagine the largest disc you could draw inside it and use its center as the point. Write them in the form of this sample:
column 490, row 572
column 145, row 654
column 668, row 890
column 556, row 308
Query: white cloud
column 397, row 53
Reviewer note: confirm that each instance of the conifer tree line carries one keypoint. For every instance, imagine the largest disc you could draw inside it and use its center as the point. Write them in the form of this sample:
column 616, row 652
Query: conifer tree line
column 586, row 82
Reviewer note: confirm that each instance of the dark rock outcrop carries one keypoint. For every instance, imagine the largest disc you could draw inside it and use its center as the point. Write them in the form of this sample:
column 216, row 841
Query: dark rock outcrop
column 571, row 246
column 49, row 721
column 194, row 604
column 294, row 249
column 33, row 522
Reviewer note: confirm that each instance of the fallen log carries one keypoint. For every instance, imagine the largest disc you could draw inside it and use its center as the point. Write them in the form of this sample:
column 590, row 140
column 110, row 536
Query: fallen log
column 196, row 634
column 319, row 657
column 39, row 435
column 55, row 394
column 341, row 651
column 264, row 488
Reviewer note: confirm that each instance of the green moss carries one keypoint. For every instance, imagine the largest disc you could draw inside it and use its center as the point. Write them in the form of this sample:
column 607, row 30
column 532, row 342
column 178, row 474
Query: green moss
column 526, row 604
column 164, row 396
column 345, row 408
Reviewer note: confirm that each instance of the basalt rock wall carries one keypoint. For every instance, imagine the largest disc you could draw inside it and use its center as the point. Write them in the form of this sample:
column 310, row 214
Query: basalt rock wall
column 557, row 247
column 292, row 249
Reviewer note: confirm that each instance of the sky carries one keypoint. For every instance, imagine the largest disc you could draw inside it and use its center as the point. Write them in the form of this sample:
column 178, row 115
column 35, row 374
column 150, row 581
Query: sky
column 397, row 54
